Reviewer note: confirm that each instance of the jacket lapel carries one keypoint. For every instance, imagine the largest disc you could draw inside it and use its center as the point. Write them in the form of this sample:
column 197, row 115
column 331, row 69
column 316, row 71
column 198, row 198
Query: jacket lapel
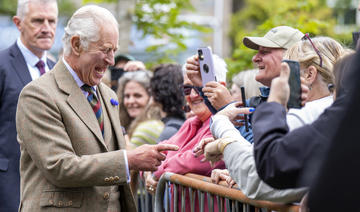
column 112, row 113
column 77, row 100
column 19, row 64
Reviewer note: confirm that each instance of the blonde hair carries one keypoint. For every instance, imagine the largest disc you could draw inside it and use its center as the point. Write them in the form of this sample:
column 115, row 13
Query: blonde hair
column 329, row 49
column 247, row 79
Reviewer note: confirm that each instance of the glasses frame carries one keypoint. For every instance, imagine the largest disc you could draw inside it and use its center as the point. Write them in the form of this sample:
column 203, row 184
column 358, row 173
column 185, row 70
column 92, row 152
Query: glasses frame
column 306, row 36
column 190, row 87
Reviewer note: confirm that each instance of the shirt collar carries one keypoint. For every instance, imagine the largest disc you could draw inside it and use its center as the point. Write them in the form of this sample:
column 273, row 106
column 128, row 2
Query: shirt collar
column 74, row 75
column 30, row 58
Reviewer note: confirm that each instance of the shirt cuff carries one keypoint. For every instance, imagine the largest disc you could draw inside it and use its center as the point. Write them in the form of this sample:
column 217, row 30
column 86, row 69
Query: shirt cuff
column 127, row 167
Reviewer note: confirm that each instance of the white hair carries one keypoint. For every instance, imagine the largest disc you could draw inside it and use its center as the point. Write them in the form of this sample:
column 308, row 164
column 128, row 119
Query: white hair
column 86, row 23
column 220, row 68
column 23, row 9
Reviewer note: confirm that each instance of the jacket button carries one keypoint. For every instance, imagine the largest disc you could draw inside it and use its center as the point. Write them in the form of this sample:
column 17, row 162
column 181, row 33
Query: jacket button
column 111, row 179
column 107, row 179
column 106, row 195
column 116, row 178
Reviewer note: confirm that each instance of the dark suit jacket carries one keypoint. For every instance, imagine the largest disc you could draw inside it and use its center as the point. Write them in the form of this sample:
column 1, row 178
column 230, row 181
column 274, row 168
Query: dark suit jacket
column 293, row 159
column 14, row 75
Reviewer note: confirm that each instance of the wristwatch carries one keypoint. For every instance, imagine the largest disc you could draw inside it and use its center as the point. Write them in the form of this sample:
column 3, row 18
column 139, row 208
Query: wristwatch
column 224, row 142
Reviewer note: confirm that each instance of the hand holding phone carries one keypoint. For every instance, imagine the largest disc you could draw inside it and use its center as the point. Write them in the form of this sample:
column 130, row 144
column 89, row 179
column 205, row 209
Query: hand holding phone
column 294, row 84
column 206, row 65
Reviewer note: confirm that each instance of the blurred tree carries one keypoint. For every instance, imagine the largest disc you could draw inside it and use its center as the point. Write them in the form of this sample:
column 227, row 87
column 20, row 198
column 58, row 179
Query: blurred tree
column 161, row 20
column 8, row 7
column 258, row 16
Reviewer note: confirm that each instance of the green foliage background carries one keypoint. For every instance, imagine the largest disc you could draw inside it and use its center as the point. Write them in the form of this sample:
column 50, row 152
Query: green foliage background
column 259, row 16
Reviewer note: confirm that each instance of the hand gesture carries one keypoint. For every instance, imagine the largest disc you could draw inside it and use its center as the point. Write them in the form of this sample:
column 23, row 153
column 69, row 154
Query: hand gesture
column 148, row 157
column 199, row 148
column 235, row 113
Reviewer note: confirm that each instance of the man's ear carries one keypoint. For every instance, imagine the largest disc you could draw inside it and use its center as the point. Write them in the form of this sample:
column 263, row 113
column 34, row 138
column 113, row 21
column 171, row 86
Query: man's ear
column 310, row 74
column 17, row 21
column 223, row 83
column 75, row 45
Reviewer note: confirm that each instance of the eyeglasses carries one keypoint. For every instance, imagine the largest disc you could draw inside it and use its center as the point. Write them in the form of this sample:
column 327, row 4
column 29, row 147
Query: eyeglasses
column 187, row 89
column 315, row 49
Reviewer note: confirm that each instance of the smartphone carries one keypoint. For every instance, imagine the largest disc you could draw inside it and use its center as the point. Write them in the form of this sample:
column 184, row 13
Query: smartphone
column 206, row 65
column 294, row 84
column 243, row 97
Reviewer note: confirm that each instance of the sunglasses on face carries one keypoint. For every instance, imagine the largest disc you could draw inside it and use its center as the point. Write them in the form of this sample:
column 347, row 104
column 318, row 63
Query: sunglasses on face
column 187, row 89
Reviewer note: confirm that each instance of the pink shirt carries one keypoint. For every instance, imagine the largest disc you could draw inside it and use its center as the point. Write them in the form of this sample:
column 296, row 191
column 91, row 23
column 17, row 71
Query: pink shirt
column 183, row 161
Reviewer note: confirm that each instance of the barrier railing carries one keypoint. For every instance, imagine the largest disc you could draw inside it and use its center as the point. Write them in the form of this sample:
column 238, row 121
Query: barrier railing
column 187, row 188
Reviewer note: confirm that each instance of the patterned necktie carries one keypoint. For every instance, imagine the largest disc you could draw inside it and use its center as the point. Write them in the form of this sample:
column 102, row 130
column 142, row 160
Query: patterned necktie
column 41, row 66
column 96, row 106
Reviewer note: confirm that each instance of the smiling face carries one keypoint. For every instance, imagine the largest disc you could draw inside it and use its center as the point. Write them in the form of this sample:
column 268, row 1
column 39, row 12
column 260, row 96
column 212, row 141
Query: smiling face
column 196, row 102
column 92, row 63
column 268, row 60
column 135, row 98
column 38, row 27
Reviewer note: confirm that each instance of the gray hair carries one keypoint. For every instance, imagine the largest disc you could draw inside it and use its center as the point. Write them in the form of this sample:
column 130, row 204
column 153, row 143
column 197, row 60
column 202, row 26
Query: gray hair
column 247, row 79
column 86, row 23
column 23, row 9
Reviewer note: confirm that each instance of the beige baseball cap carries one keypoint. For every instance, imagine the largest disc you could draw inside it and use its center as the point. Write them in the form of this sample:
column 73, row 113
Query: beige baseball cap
column 278, row 37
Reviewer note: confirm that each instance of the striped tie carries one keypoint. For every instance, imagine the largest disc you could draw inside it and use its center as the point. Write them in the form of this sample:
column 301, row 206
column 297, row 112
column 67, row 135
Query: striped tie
column 96, row 106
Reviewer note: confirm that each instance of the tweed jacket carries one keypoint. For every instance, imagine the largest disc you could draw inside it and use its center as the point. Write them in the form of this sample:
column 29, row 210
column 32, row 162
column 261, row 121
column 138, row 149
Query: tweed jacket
column 66, row 164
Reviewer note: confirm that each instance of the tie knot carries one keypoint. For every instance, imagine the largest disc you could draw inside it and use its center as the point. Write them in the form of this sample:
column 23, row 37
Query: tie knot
column 40, row 64
column 87, row 88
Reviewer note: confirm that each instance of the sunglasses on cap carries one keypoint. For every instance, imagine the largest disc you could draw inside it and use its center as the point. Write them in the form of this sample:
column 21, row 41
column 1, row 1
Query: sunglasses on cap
column 315, row 49
column 187, row 89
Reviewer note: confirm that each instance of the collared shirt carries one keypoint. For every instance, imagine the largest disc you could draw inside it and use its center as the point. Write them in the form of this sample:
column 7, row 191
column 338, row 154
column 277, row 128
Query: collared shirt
column 31, row 60
column 81, row 83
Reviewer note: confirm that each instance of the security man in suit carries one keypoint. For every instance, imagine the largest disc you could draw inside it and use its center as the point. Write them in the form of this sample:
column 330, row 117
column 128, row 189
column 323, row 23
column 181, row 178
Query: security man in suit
column 21, row 63
column 73, row 153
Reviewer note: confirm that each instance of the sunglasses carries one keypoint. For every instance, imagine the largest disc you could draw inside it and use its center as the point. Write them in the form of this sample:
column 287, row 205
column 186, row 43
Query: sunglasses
column 315, row 49
column 187, row 89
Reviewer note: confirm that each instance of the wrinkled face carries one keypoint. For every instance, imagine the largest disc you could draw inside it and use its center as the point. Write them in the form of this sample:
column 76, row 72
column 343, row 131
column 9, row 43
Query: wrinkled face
column 38, row 27
column 135, row 98
column 268, row 60
column 196, row 102
column 235, row 92
column 93, row 62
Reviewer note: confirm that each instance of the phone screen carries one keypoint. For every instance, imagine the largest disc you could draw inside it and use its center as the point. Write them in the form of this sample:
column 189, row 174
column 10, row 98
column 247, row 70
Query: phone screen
column 206, row 65
column 294, row 84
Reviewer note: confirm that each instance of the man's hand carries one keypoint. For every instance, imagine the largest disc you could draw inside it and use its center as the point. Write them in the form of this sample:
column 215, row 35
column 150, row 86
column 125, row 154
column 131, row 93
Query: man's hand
column 222, row 174
column 212, row 151
column 148, row 157
column 218, row 95
column 280, row 90
column 193, row 70
column 134, row 66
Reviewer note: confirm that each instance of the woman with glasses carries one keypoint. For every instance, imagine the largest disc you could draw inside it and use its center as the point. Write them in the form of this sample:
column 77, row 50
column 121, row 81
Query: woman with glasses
column 190, row 134
column 317, row 57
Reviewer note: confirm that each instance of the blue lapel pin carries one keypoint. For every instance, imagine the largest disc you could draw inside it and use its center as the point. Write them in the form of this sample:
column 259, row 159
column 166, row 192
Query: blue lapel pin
column 114, row 102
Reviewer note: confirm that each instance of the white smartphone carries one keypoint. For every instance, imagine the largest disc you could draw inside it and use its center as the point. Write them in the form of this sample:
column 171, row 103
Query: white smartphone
column 206, row 65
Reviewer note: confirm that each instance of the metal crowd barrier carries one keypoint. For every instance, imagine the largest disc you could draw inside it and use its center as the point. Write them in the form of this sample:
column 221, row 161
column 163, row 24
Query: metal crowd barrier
column 227, row 199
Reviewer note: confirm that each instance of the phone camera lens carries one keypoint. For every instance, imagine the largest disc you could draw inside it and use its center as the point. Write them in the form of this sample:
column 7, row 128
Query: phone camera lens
column 201, row 56
column 206, row 68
